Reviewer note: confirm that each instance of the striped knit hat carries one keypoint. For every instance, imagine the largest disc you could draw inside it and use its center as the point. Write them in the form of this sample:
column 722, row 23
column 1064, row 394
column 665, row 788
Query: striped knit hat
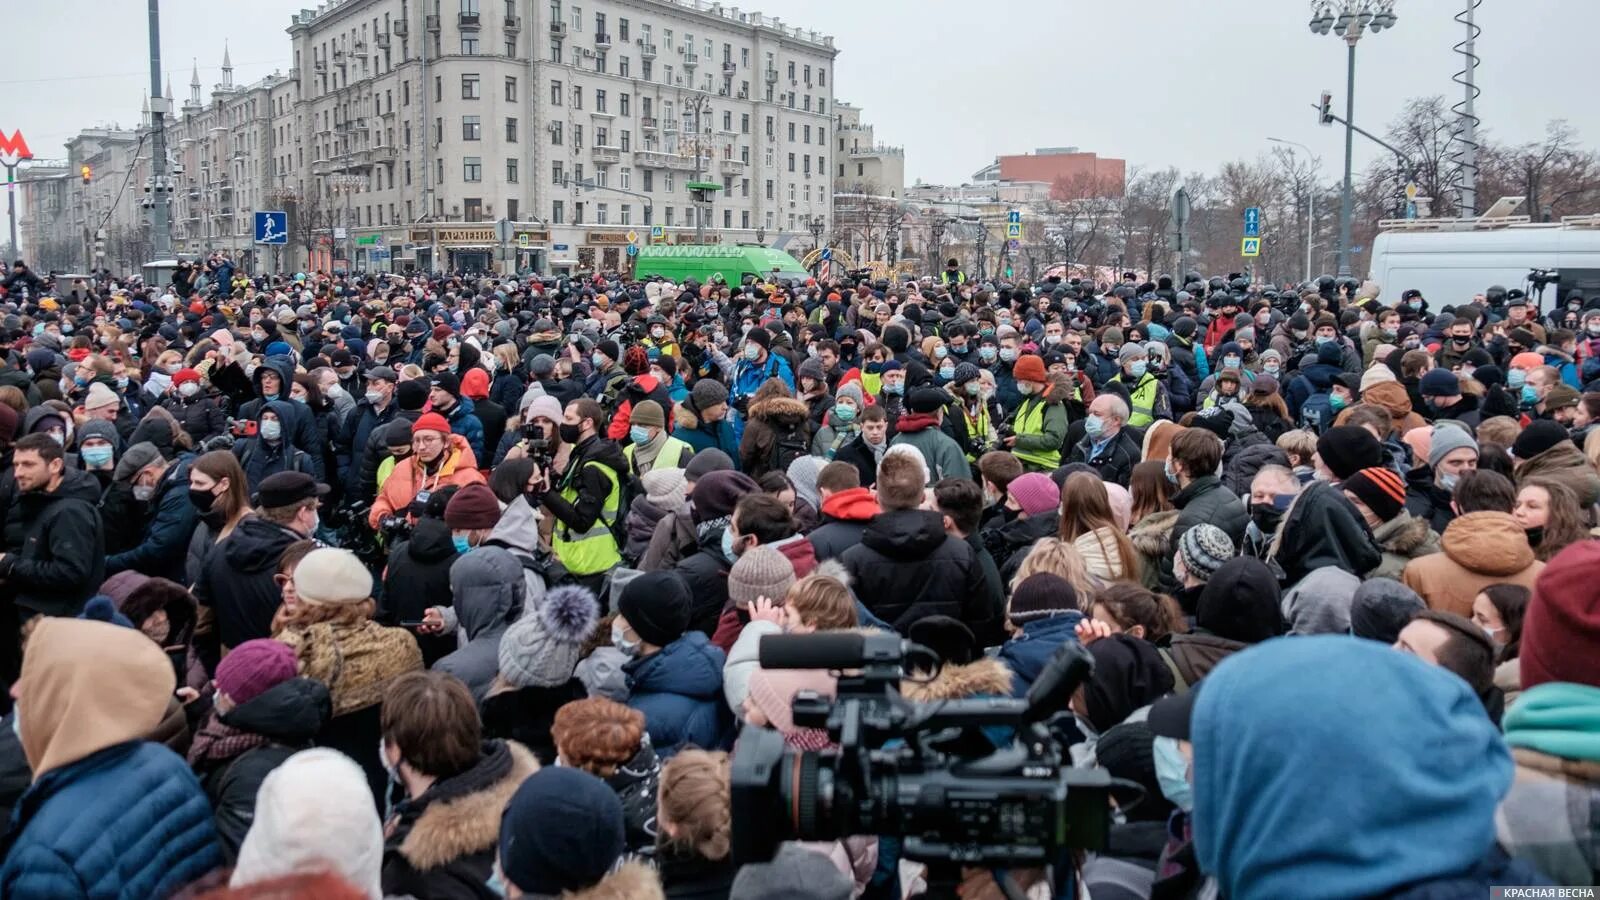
column 1382, row 490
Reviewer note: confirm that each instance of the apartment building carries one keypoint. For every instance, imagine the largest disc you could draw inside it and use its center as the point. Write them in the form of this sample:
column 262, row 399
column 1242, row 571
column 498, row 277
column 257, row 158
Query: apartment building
column 865, row 166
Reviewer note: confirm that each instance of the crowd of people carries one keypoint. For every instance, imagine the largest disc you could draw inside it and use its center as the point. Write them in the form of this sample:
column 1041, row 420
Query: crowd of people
column 447, row 586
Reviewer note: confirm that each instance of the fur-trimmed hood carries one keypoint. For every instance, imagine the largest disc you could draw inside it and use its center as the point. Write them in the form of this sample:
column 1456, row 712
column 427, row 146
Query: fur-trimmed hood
column 984, row 676
column 1405, row 534
column 632, row 881
column 1152, row 535
column 685, row 416
column 447, row 830
column 780, row 409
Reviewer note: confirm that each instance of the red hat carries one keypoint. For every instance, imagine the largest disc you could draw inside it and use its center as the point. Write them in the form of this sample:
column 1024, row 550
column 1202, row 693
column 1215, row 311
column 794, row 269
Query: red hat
column 442, row 332
column 1029, row 368
column 185, row 375
column 431, row 422
column 475, row 384
column 1561, row 631
column 197, row 308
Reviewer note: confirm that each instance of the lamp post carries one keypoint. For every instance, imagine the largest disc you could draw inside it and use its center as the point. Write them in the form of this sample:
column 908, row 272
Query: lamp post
column 1311, row 199
column 1350, row 19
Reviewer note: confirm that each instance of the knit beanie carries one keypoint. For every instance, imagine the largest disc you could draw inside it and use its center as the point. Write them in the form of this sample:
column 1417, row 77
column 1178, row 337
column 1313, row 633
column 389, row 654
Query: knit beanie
column 718, row 493
column 772, row 691
column 431, row 422
column 1029, row 368
column 610, row 349
column 1381, row 607
column 966, row 372
column 100, row 396
column 1127, row 751
column 1041, row 596
column 851, row 390
column 1439, row 383
column 411, row 395
column 665, row 489
column 1348, row 449
column 648, row 412
column 1537, row 438
column 473, row 507
column 331, row 576
column 449, row 383
column 1204, row 549
column 1383, row 491
column 1376, row 375
column 1034, row 492
column 543, row 647
column 1562, row 626
column 254, row 666
column 705, row 462
column 475, row 384
column 657, row 606
column 562, row 831
column 795, row 872
column 760, row 572
column 708, row 392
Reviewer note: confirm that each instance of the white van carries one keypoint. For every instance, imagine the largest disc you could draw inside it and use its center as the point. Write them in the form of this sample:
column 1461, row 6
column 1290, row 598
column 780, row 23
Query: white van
column 1451, row 266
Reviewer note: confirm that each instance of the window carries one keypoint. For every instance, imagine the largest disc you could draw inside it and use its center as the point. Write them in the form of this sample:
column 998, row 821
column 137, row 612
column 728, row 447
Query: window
column 627, row 141
column 822, row 137
column 822, row 77
column 577, row 19
column 769, row 189
column 440, row 173
column 472, row 168
column 808, row 102
column 511, row 90
column 577, row 96
column 646, row 69
column 744, row 218
column 622, row 30
column 727, row 218
column 807, row 164
column 405, row 93
column 744, row 57
column 599, row 101
column 601, row 213
column 669, row 217
column 556, row 97
column 627, row 214
column 472, row 128
column 791, row 162
column 807, row 132
column 577, row 137
column 600, row 61
column 808, row 76
column 577, row 172
column 625, row 179
column 438, row 94
column 771, row 128
column 622, row 66
column 599, row 23
column 558, row 176
column 601, row 136
column 670, row 186
column 555, row 51
column 511, row 131
column 555, row 133
column 861, row 169
column 558, row 212
column 511, row 170
column 511, row 50
column 649, row 215
column 744, row 123
column 727, row 120
column 469, row 45
column 666, row 39
column 791, row 132
column 622, row 104
column 649, row 182
column 511, row 209
column 471, row 87
column 791, row 70
column 770, row 154
column 408, row 173
column 469, row 6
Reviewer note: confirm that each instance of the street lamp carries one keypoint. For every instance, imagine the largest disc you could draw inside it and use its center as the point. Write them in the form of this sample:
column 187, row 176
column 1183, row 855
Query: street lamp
column 1311, row 199
column 1350, row 19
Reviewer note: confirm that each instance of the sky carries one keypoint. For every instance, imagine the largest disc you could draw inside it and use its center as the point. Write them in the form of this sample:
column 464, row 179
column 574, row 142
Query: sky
column 1186, row 83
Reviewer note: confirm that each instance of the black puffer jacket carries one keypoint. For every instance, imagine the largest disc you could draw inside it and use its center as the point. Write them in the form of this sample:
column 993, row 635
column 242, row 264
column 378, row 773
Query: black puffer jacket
column 1322, row 528
column 1245, row 457
column 202, row 417
column 236, row 580
column 525, row 715
column 1207, row 501
column 907, row 568
column 1426, row 500
column 706, row 573
column 417, row 577
column 59, row 561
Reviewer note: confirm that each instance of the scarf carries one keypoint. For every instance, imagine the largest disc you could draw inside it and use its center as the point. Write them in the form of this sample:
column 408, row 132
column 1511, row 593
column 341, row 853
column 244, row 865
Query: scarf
column 842, row 434
column 644, row 455
column 1558, row 718
column 217, row 743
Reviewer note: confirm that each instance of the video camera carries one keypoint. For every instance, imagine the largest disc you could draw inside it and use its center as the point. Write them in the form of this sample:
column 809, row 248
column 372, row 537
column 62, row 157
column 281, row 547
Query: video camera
column 911, row 770
column 540, row 448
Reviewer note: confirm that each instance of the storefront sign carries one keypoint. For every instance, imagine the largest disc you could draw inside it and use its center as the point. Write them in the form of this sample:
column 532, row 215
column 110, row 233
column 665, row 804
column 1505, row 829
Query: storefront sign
column 602, row 237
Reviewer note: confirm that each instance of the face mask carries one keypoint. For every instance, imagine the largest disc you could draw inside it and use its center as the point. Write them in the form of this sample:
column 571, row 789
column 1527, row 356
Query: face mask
column 570, row 434
column 1265, row 517
column 1172, row 773
column 188, row 389
column 657, row 332
column 940, row 352
column 202, row 500
column 122, row 383
column 974, row 388
column 143, row 492
column 1050, row 340
column 1271, row 369
column 639, row 434
column 258, row 336
column 752, row 351
column 1460, row 341
column 1008, row 354
column 895, row 389
column 461, row 542
column 986, row 331
column 272, row 429
column 1415, row 304
column 1166, row 469
column 373, row 397
column 1535, row 537
column 1230, row 362
column 61, row 437
column 844, row 413
column 947, row 372
column 1094, row 426
column 1323, row 339
column 96, row 456
column 1263, row 318
column 1337, row 402
column 1593, row 329
column 1024, row 388
column 1137, row 368
column 1516, row 378
column 1530, row 394
column 987, row 353
column 496, row 884
column 1448, row 482
column 619, row 640
column 1299, row 333
column 959, row 349
column 598, row 359
column 727, row 544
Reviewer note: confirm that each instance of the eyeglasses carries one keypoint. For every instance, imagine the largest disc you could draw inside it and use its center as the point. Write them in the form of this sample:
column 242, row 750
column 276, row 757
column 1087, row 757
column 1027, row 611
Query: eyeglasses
column 283, row 581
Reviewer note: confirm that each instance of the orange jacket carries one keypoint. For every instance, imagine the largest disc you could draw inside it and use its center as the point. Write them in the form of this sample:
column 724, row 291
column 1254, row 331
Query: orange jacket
column 400, row 488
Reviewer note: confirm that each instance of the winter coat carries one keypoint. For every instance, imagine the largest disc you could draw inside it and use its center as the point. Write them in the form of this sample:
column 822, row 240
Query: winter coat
column 375, row 454
column 299, row 425
column 640, row 524
column 767, row 421
column 1245, row 457
column 164, row 549
column 202, row 417
column 464, row 422
column 688, row 876
column 487, row 596
column 1116, row 459
column 418, row 576
column 59, row 559
column 907, row 568
column 1192, row 656
column 352, row 441
column 1207, row 501
column 858, row 454
column 1426, row 500
column 638, row 389
column 509, row 387
column 706, row 573
column 442, row 844
column 1010, row 542
column 1564, row 463
column 942, row 455
column 260, row 458
column 1152, row 540
column 1402, row 539
column 525, row 715
column 492, row 416
column 1392, row 396
column 679, row 690
column 635, row 783
column 1030, row 650
column 1322, row 528
column 460, row 468
column 689, row 427
column 272, row 726
column 236, row 579
column 1480, row 549
column 844, row 518
column 1103, row 558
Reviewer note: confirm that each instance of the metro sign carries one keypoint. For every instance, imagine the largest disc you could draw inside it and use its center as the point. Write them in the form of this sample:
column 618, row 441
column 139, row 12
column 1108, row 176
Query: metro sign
column 13, row 149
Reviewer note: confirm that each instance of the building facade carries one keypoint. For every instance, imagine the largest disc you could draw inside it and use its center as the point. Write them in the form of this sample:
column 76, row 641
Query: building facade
column 865, row 166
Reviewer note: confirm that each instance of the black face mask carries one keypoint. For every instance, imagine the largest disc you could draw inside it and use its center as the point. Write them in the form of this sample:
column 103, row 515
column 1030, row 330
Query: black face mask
column 570, row 434
column 1266, row 517
column 1535, row 536
column 202, row 500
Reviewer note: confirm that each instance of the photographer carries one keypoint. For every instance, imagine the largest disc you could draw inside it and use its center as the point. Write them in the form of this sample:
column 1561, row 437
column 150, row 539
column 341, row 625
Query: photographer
column 586, row 500
column 438, row 458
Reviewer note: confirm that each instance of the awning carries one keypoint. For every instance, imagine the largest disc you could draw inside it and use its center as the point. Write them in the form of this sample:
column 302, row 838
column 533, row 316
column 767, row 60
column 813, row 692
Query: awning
column 563, row 262
column 449, row 247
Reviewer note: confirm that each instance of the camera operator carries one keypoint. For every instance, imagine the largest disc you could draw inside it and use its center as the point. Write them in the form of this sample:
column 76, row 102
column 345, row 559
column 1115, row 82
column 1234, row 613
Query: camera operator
column 438, row 458
column 586, row 499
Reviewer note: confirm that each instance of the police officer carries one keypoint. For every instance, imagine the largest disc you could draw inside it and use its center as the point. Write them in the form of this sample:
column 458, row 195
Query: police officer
column 586, row 500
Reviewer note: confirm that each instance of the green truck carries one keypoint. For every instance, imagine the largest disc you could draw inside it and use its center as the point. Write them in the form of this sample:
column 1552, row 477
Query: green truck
column 711, row 262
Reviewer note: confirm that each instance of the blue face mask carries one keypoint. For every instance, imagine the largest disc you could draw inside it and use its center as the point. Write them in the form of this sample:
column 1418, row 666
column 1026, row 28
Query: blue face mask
column 496, row 884
column 598, row 359
column 1172, row 773
column 947, row 372
column 1137, row 368
column 940, row 352
column 752, row 351
column 844, row 413
column 639, row 434
column 96, row 456
column 1516, row 378
column 1094, row 426
column 1323, row 339
column 461, row 542
column 1008, row 354
column 987, row 353
column 727, row 543
column 894, row 389
column 1230, row 362
column 1530, row 394
column 1166, row 469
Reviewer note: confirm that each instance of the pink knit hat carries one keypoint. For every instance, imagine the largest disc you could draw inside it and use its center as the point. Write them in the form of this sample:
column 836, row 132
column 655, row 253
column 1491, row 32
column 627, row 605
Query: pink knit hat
column 1035, row 493
column 254, row 666
column 772, row 691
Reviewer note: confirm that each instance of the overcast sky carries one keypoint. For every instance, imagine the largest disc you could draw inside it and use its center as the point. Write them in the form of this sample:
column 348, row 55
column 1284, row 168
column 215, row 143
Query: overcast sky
column 1191, row 83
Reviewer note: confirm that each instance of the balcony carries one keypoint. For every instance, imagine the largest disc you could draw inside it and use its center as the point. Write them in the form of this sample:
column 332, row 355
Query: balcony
column 729, row 69
column 338, row 57
column 372, row 155
column 224, row 211
column 646, row 51
column 655, row 159
column 432, row 23
column 606, row 156
column 733, row 166
column 359, row 48
column 513, row 24
column 320, row 67
column 690, row 61
column 558, row 29
column 469, row 20
column 400, row 27
column 382, row 39
column 648, row 123
column 772, row 76
column 602, row 42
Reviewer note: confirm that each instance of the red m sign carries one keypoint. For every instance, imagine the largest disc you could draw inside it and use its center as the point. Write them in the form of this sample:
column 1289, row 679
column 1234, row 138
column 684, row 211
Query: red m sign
column 13, row 149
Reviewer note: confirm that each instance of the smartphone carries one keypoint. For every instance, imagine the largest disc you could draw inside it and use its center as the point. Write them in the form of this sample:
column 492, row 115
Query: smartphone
column 416, row 623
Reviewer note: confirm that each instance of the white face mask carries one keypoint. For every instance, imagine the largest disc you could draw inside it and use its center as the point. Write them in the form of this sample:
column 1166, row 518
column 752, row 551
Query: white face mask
column 619, row 639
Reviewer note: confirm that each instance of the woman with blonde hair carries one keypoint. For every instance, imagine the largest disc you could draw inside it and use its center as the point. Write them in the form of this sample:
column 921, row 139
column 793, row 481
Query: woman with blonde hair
column 1086, row 521
column 1060, row 558
column 694, row 812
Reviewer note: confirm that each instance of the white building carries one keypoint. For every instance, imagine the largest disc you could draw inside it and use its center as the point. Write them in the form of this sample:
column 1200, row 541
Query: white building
column 865, row 166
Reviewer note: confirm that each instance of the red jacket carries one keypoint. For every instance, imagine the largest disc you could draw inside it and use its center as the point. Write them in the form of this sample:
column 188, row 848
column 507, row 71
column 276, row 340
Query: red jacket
column 801, row 555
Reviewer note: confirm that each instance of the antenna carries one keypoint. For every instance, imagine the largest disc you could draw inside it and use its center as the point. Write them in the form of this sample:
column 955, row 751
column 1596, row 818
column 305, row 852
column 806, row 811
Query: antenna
column 1464, row 137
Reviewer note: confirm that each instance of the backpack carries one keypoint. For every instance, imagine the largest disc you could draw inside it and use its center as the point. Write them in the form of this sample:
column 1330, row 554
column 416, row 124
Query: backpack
column 789, row 444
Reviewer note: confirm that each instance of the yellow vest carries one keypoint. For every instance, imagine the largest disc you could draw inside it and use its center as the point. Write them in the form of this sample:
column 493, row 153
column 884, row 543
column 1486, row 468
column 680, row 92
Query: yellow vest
column 595, row 550
column 673, row 450
column 1030, row 420
column 977, row 428
column 1142, row 411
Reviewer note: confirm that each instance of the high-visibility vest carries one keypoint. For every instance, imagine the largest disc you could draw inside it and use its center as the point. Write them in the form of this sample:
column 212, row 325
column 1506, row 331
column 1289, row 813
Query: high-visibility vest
column 977, row 428
column 1030, row 420
column 1142, row 409
column 593, row 551
column 675, row 452
column 946, row 277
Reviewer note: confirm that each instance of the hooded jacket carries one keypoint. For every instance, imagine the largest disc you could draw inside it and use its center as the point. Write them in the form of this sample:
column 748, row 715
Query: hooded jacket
column 679, row 690
column 260, row 457
column 464, row 422
column 60, row 559
column 1426, row 500
column 1237, row 607
column 1564, row 463
column 690, row 427
column 1320, row 602
column 907, row 568
column 1480, row 549
column 1392, row 396
column 352, row 441
column 299, row 424
column 941, row 452
column 1322, row 528
column 487, row 593
column 89, row 691
column 845, row 515
column 1030, row 649
column 236, row 579
column 459, row 467
column 769, row 418
column 201, row 416
column 417, row 577
column 1402, row 539
column 1255, row 776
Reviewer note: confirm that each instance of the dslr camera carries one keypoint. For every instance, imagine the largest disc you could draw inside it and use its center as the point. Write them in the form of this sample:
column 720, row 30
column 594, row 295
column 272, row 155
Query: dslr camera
column 928, row 774
column 540, row 449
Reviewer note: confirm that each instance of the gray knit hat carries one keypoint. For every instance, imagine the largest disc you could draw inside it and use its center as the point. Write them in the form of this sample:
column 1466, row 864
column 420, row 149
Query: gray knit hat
column 1204, row 549
column 1132, row 350
column 851, row 390
column 1381, row 607
column 794, row 873
column 1449, row 436
column 708, row 392
column 760, row 572
column 541, row 649
column 665, row 488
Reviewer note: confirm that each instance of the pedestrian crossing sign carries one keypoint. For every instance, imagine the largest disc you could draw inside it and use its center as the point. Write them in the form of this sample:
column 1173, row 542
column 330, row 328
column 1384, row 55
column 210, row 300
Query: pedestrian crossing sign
column 1014, row 230
column 1250, row 246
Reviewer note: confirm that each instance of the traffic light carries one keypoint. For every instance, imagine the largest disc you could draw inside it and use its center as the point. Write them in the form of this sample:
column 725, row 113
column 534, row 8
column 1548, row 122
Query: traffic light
column 84, row 171
column 1325, row 109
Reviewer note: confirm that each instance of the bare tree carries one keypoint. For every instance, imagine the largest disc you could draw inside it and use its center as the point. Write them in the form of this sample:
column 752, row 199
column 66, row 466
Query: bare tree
column 866, row 220
column 1558, row 176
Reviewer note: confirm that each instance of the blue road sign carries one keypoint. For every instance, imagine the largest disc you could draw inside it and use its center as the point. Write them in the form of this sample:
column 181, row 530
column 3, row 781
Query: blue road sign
column 633, row 249
column 657, row 232
column 1252, row 229
column 272, row 227
column 1252, row 216
column 827, row 254
column 1014, row 216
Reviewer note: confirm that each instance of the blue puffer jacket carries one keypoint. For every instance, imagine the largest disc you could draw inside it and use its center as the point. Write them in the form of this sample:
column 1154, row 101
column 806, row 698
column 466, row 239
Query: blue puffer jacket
column 130, row 821
column 464, row 422
column 1027, row 654
column 679, row 690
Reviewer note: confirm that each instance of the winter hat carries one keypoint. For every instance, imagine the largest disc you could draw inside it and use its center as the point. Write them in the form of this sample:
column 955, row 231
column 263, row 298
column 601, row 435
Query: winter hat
column 717, row 493
column 543, row 647
column 1527, row 361
column 851, row 390
column 760, row 572
column 431, row 422
column 1131, row 350
column 1184, row 326
column 812, row 369
column 1383, row 491
column 1381, row 607
column 708, row 392
column 1562, row 626
column 135, row 458
column 705, row 462
column 949, row 638
column 926, row 400
column 1439, row 383
column 101, row 429
column 449, row 383
column 1029, row 368
column 795, row 872
column 314, row 811
column 1128, row 674
column 1375, row 375
column 253, row 666
column 1035, row 493
column 1537, row 438
column 1446, row 437
column 1240, row 601
column 657, row 606
column 773, row 690
column 1041, row 596
column 475, row 384
column 648, row 412
column 966, row 372
column 1348, row 449
column 102, row 608
column 184, row 376
column 100, row 396
column 1561, row 396
column 543, row 364
column 761, row 337
column 562, row 831
column 1121, row 501
column 1204, row 549
column 1330, row 354
column 541, row 406
column 411, row 395
column 331, row 576
column 665, row 489
column 473, row 507
column 1127, row 751
column 610, row 349
column 1214, row 419
column 1264, row 385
